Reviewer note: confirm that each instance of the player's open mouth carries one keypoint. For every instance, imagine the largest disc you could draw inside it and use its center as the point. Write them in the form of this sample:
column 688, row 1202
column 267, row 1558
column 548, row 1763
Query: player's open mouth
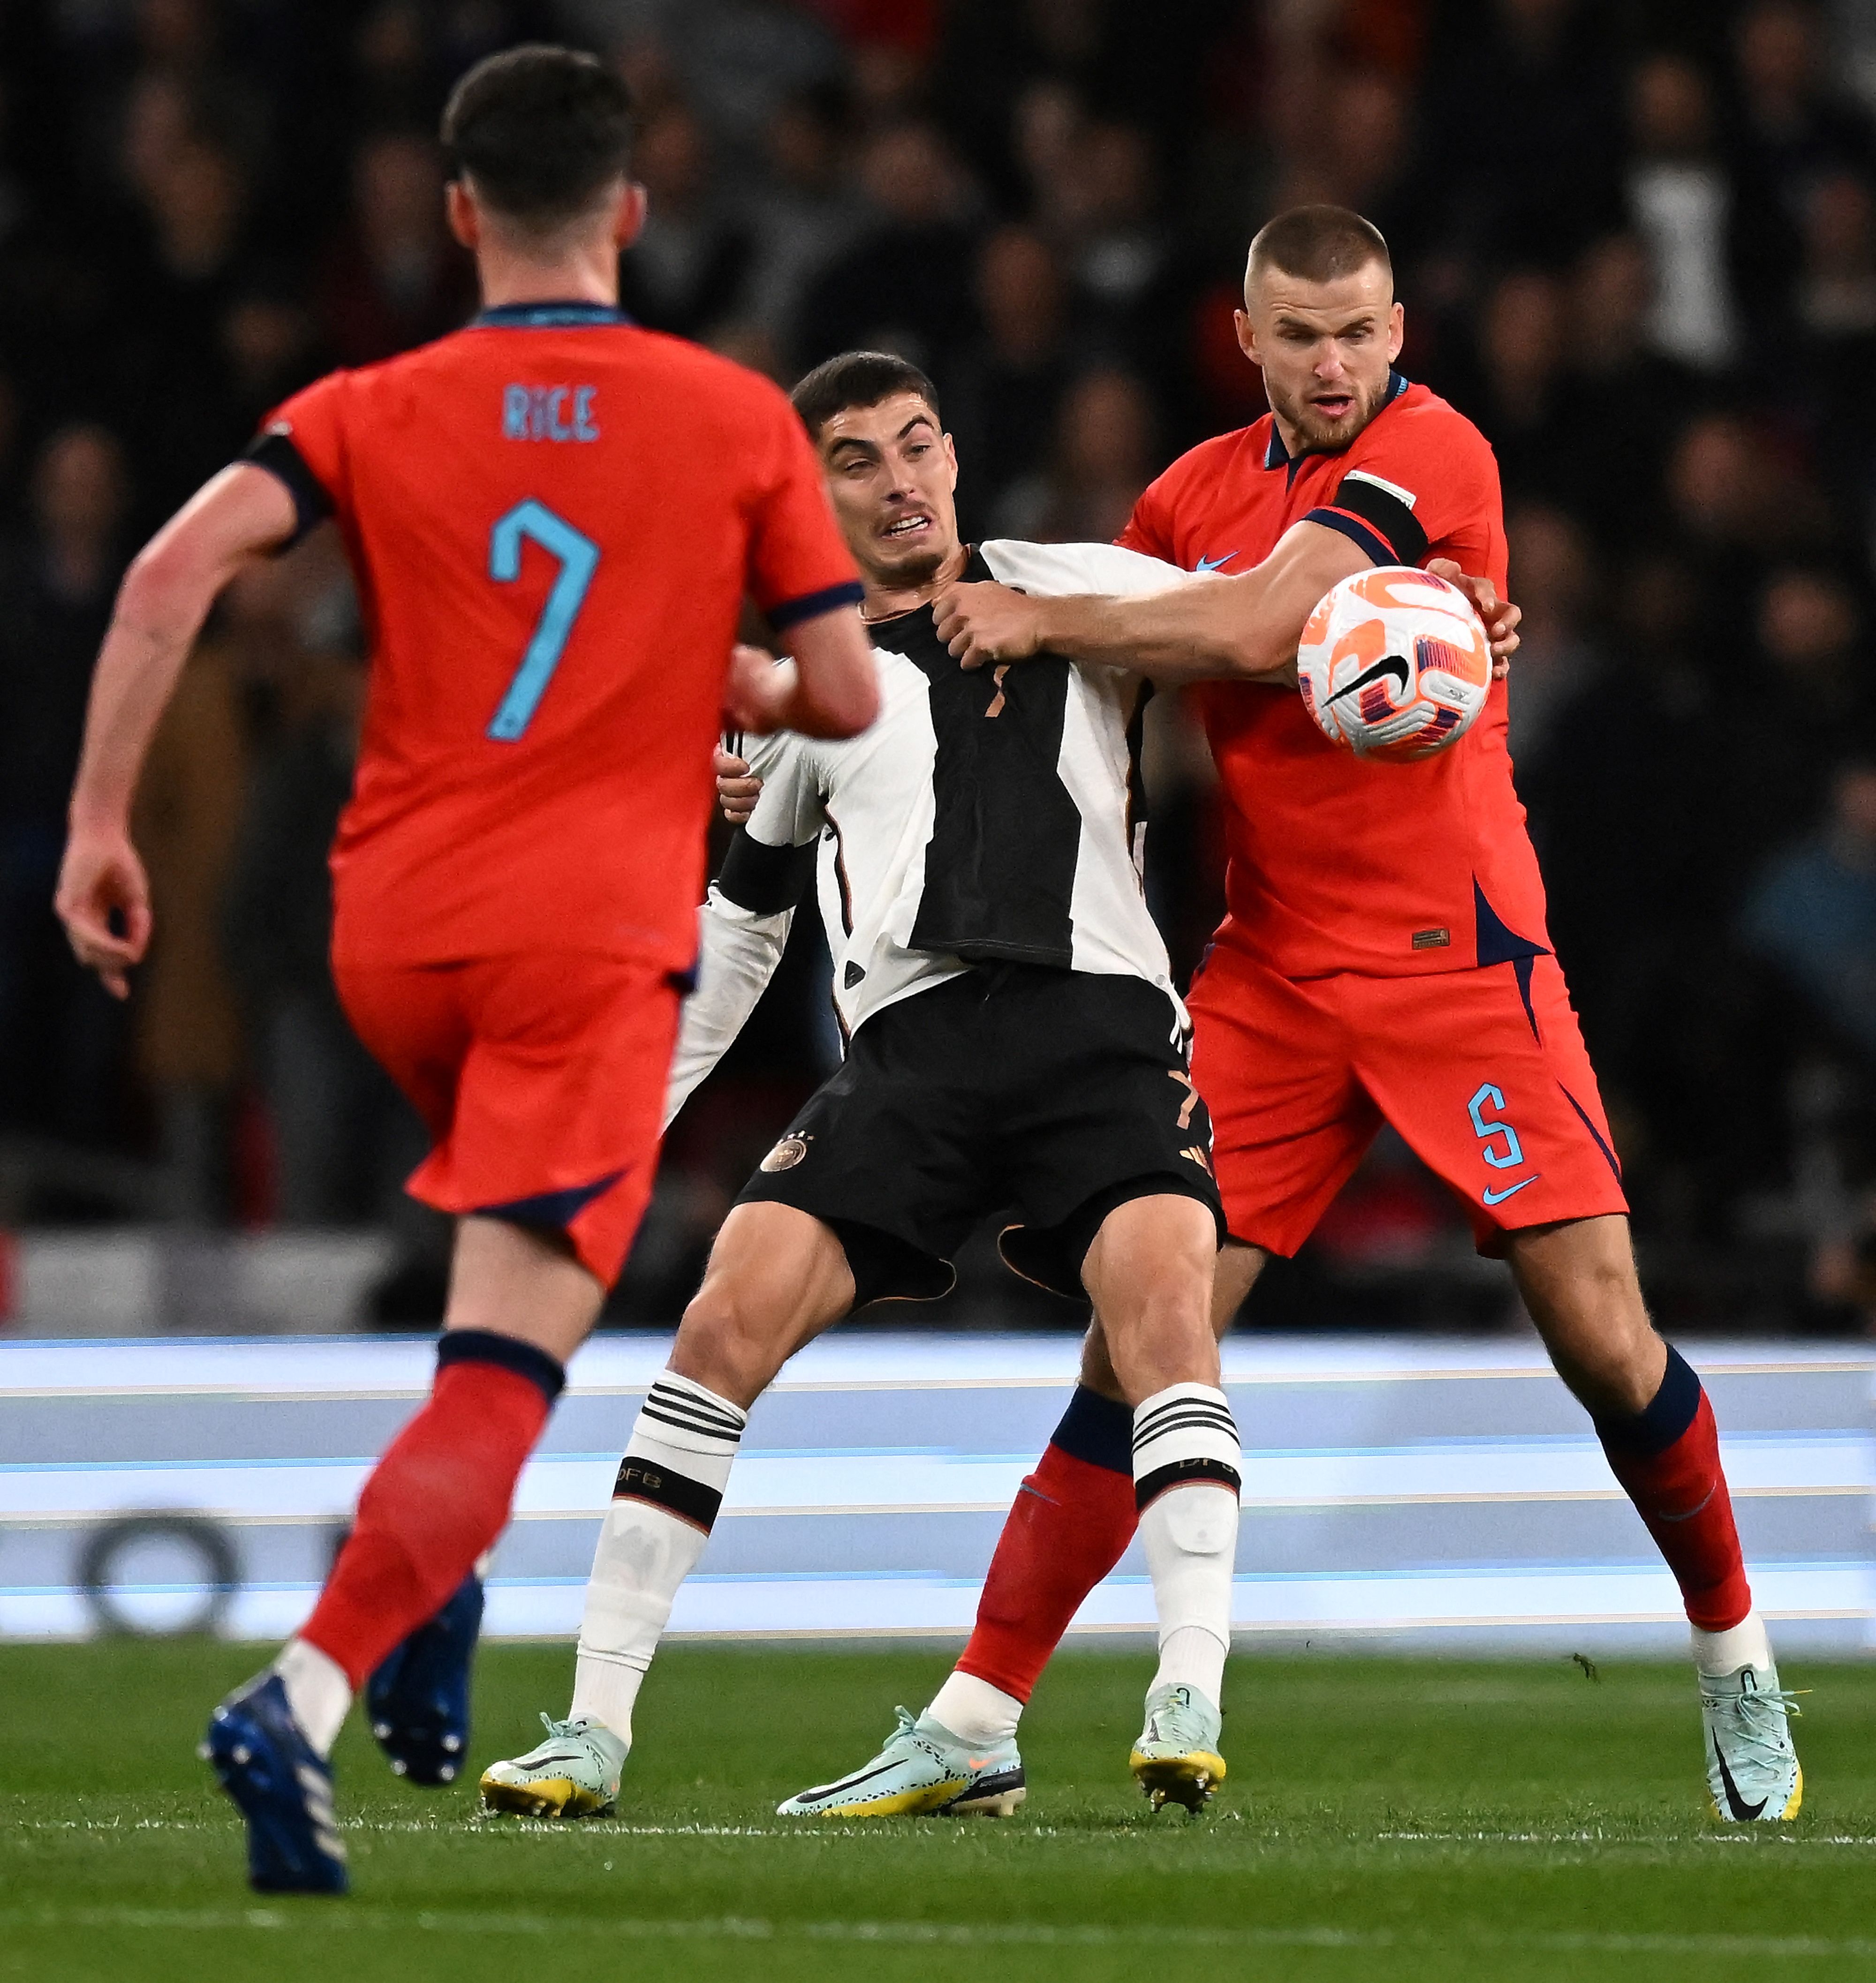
column 908, row 526
column 1334, row 405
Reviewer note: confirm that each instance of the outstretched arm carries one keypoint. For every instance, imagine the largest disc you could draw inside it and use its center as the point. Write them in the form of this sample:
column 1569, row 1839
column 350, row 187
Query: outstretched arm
column 1239, row 629
column 103, row 898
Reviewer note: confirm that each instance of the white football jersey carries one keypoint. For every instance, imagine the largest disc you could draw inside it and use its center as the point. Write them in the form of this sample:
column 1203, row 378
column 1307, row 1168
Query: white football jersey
column 987, row 816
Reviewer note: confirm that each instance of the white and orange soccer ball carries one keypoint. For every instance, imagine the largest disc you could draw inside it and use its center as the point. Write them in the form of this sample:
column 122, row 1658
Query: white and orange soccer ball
column 1394, row 664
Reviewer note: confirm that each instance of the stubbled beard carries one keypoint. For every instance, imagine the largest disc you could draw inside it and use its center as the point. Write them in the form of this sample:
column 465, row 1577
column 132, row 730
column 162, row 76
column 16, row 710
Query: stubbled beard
column 1318, row 431
column 914, row 568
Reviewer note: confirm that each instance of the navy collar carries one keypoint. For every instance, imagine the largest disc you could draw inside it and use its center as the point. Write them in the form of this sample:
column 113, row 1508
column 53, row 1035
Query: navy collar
column 1277, row 456
column 544, row 316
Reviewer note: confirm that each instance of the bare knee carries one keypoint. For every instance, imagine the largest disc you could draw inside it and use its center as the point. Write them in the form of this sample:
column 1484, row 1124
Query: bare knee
column 1579, row 1282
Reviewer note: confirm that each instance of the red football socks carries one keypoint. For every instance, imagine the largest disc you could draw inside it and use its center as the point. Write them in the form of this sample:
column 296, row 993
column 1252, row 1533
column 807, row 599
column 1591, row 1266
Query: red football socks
column 1667, row 1460
column 438, row 1497
column 1073, row 1520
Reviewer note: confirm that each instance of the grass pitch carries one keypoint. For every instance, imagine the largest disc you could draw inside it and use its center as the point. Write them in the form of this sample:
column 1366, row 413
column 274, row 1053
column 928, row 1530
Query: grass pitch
column 1382, row 1820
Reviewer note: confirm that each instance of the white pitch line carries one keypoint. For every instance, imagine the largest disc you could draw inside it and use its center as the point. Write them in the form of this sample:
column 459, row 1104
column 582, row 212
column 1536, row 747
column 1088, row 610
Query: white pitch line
column 932, row 1933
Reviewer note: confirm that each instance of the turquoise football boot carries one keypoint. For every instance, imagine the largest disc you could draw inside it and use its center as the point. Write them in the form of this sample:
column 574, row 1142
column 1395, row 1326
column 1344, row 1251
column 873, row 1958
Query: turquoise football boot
column 1752, row 1769
column 924, row 1769
column 1176, row 1759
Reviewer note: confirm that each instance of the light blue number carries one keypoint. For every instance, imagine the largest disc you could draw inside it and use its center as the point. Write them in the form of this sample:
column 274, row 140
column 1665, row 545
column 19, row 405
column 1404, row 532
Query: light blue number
column 1512, row 1154
column 578, row 557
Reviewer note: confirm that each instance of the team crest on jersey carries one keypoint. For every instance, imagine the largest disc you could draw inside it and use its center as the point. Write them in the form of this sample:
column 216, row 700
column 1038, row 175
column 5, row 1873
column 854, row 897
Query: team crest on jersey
column 787, row 1154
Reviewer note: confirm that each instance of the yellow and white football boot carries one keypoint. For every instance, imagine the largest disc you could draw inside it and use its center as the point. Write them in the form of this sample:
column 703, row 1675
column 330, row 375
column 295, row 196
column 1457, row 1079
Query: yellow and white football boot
column 574, row 1774
column 1176, row 1759
column 923, row 1771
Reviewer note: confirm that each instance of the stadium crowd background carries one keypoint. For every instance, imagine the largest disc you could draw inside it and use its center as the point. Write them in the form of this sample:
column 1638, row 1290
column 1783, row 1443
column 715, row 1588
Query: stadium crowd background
column 1636, row 242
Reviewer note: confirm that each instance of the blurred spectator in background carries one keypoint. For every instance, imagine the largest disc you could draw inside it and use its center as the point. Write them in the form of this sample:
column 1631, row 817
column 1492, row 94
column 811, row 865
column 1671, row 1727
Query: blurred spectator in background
column 1010, row 381
column 1813, row 912
column 394, row 278
column 688, row 269
column 1560, row 657
column 906, row 287
column 58, row 1045
column 1103, row 457
column 806, row 215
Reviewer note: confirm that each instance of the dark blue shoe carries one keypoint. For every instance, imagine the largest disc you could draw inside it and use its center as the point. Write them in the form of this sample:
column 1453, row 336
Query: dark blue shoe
column 284, row 1788
column 418, row 1700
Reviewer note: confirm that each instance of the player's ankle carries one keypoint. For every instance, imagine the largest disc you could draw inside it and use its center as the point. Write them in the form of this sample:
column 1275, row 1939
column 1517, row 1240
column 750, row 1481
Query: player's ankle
column 981, row 1716
column 317, row 1691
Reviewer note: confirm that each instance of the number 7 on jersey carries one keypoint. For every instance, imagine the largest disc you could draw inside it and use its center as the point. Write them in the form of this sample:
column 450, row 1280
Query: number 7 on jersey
column 578, row 557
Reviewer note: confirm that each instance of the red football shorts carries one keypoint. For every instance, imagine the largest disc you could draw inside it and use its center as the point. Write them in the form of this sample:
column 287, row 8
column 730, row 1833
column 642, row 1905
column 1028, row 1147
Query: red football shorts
column 1483, row 1073
column 541, row 1076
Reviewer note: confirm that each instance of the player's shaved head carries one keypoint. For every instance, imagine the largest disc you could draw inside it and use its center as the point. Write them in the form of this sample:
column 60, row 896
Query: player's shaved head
column 858, row 379
column 1316, row 244
column 539, row 135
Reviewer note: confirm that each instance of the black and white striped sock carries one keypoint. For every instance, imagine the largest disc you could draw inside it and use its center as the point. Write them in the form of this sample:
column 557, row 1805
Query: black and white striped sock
column 1185, row 1474
column 669, row 1489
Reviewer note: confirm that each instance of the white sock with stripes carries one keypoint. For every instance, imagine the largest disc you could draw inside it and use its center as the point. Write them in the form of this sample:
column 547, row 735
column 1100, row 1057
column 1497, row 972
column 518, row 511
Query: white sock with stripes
column 1186, row 1479
column 669, row 1486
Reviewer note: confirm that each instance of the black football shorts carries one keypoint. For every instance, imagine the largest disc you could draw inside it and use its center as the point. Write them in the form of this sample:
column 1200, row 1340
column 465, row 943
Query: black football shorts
column 1054, row 1094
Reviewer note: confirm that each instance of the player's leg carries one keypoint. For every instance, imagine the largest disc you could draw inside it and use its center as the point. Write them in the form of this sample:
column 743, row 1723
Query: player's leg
column 799, row 1251
column 1653, row 1417
column 1509, row 1115
column 1288, row 1128
column 558, row 1066
column 1149, row 1272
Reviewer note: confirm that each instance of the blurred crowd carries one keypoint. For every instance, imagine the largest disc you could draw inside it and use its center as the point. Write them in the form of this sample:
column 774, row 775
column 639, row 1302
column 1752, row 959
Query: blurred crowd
column 1636, row 242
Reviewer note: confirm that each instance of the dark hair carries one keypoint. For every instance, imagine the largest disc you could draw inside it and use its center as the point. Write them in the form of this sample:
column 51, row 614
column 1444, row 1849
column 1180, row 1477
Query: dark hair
column 858, row 378
column 1319, row 243
column 539, row 132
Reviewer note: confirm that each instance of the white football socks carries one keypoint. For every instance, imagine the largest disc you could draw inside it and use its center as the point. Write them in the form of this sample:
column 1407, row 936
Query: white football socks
column 1186, row 1474
column 317, row 1691
column 981, row 1716
column 1720, row 1655
column 669, row 1486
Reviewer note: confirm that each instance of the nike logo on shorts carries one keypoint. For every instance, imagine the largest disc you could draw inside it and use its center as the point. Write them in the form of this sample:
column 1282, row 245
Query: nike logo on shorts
column 1492, row 1197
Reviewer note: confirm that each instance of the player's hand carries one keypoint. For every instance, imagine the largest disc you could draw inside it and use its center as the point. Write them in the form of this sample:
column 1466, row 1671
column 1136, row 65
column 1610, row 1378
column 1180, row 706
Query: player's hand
column 736, row 791
column 984, row 623
column 1499, row 615
column 757, row 691
column 101, row 884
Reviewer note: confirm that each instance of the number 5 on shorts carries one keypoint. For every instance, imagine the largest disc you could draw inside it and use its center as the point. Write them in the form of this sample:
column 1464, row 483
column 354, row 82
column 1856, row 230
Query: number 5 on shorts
column 578, row 557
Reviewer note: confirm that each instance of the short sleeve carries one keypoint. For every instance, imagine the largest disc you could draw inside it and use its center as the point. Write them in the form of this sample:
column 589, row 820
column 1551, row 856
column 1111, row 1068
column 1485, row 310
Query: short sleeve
column 1149, row 529
column 799, row 564
column 1421, row 488
column 302, row 443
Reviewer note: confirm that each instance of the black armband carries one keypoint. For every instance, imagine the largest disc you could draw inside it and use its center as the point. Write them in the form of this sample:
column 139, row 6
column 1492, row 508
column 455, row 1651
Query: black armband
column 275, row 452
column 765, row 880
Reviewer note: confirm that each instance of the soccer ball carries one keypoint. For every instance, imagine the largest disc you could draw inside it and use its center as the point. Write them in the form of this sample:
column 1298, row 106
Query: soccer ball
column 1394, row 664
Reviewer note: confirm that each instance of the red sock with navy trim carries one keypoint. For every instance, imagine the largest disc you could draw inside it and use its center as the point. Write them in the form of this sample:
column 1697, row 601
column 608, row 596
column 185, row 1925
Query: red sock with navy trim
column 1071, row 1521
column 438, row 1497
column 1667, row 1460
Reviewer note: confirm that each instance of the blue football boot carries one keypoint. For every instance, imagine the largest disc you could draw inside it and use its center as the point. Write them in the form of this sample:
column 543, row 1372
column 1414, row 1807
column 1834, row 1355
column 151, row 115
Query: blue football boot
column 283, row 1787
column 417, row 1702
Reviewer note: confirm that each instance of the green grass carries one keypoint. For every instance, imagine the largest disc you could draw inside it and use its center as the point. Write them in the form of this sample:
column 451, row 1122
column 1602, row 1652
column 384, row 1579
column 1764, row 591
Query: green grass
column 1383, row 1821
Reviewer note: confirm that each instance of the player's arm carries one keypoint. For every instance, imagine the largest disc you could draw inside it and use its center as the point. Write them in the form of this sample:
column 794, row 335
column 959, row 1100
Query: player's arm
column 743, row 926
column 103, row 896
column 828, row 687
column 1244, row 628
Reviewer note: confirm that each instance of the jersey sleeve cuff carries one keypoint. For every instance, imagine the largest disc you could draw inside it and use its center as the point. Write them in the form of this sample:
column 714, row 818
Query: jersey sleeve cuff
column 276, row 453
column 1370, row 513
column 763, row 879
column 829, row 599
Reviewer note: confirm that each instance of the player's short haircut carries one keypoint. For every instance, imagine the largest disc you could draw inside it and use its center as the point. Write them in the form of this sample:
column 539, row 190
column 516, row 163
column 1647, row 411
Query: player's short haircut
column 539, row 132
column 858, row 379
column 1318, row 244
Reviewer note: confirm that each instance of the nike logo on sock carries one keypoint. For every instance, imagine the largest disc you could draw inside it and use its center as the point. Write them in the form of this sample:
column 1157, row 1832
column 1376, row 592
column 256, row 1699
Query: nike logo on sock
column 1743, row 1812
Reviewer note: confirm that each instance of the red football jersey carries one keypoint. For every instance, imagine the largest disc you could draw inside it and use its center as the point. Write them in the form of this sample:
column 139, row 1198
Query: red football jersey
column 553, row 517
column 1335, row 863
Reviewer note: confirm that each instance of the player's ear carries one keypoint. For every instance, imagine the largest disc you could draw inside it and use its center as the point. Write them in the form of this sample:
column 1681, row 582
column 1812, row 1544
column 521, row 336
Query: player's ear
column 1396, row 332
column 465, row 221
column 629, row 216
column 1247, row 336
column 951, row 458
